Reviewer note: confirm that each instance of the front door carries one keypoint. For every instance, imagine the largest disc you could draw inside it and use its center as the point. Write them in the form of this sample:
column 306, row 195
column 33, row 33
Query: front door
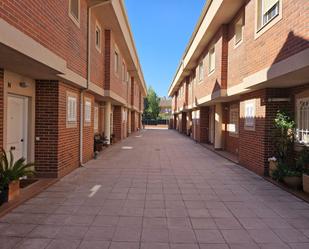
column 17, row 125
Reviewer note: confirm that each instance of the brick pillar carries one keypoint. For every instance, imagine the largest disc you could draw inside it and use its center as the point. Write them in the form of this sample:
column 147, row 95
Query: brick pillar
column 175, row 122
column 117, row 123
column 184, row 123
column 1, row 106
column 133, row 124
column 204, row 125
column 46, row 128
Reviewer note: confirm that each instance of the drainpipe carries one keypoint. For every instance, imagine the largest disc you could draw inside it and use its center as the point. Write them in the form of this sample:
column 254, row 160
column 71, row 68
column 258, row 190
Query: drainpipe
column 89, row 10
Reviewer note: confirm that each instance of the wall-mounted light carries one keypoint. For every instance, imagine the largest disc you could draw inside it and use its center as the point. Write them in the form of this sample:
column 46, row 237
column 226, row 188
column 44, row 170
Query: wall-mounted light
column 23, row 84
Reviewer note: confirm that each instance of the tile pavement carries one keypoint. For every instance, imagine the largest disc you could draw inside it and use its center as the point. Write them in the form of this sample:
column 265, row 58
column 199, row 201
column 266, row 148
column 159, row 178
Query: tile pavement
column 159, row 190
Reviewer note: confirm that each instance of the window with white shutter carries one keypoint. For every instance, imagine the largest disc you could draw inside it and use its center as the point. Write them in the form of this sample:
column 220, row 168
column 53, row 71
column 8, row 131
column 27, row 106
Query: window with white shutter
column 250, row 114
column 71, row 110
column 96, row 119
column 302, row 121
column 88, row 111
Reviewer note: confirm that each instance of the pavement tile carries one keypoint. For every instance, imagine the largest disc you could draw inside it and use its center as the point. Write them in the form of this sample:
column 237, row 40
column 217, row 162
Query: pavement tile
column 94, row 245
column 209, row 236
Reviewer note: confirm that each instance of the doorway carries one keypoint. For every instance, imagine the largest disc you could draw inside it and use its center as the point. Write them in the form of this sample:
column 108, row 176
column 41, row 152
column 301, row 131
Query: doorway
column 17, row 126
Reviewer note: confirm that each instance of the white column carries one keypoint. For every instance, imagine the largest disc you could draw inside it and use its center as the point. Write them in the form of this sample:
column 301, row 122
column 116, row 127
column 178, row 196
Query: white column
column 218, row 126
column 107, row 121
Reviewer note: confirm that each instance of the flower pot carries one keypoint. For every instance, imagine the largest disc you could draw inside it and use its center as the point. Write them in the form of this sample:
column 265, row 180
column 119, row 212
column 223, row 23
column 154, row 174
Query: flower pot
column 306, row 183
column 293, row 181
column 14, row 190
column 273, row 165
column 4, row 194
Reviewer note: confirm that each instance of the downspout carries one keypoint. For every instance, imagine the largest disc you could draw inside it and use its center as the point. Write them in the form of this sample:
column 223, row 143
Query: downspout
column 88, row 78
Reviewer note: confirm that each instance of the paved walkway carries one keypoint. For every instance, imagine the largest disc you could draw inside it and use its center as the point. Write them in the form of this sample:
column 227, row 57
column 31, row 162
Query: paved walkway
column 159, row 190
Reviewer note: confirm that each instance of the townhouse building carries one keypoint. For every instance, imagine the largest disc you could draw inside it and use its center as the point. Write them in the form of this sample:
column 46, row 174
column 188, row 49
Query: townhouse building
column 69, row 70
column 246, row 59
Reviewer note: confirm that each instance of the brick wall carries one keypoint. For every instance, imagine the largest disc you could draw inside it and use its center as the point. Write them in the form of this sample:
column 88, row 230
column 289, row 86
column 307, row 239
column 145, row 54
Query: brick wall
column 46, row 128
column 97, row 57
column 88, row 131
column 1, row 105
column 252, row 142
column 212, row 82
column 68, row 137
column 107, row 59
column 286, row 38
column 57, row 150
column 50, row 25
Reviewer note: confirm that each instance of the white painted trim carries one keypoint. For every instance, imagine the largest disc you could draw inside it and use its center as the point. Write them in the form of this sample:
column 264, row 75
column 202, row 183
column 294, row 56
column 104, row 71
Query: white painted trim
column 73, row 77
column 291, row 64
column 12, row 37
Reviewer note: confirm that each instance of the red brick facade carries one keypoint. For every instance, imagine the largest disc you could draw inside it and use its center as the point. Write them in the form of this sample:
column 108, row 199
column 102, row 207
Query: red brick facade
column 245, row 72
column 75, row 69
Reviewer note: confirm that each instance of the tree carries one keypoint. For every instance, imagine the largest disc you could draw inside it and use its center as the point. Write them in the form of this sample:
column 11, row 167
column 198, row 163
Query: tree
column 152, row 104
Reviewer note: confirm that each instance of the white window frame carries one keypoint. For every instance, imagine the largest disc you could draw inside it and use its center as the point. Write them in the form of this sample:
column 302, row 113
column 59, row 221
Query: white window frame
column 201, row 71
column 233, row 126
column 249, row 114
column 302, row 126
column 98, row 39
column 116, row 62
column 87, row 111
column 262, row 27
column 127, row 77
column 239, row 23
column 71, row 110
column 96, row 118
column 75, row 19
column 211, row 65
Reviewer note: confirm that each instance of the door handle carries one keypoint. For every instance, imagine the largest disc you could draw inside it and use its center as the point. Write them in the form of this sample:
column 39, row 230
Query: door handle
column 13, row 148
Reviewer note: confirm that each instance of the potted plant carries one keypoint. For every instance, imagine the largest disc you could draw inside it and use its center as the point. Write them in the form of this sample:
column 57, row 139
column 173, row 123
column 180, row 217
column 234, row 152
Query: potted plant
column 287, row 170
column 273, row 165
column 10, row 173
column 303, row 163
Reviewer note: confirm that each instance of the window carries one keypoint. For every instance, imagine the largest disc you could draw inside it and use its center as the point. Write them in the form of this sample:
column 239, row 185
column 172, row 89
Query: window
column 71, row 108
column 302, row 123
column 123, row 72
column 74, row 10
column 239, row 30
column 249, row 114
column 116, row 62
column 98, row 38
column 96, row 119
column 88, row 111
column 267, row 11
column 128, row 77
column 233, row 126
column 212, row 60
column 201, row 71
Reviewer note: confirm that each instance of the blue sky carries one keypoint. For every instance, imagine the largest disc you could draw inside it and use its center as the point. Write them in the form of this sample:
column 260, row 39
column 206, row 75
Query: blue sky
column 161, row 30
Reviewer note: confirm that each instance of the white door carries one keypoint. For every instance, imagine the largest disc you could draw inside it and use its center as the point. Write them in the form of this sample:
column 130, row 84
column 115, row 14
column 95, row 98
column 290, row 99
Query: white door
column 17, row 126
